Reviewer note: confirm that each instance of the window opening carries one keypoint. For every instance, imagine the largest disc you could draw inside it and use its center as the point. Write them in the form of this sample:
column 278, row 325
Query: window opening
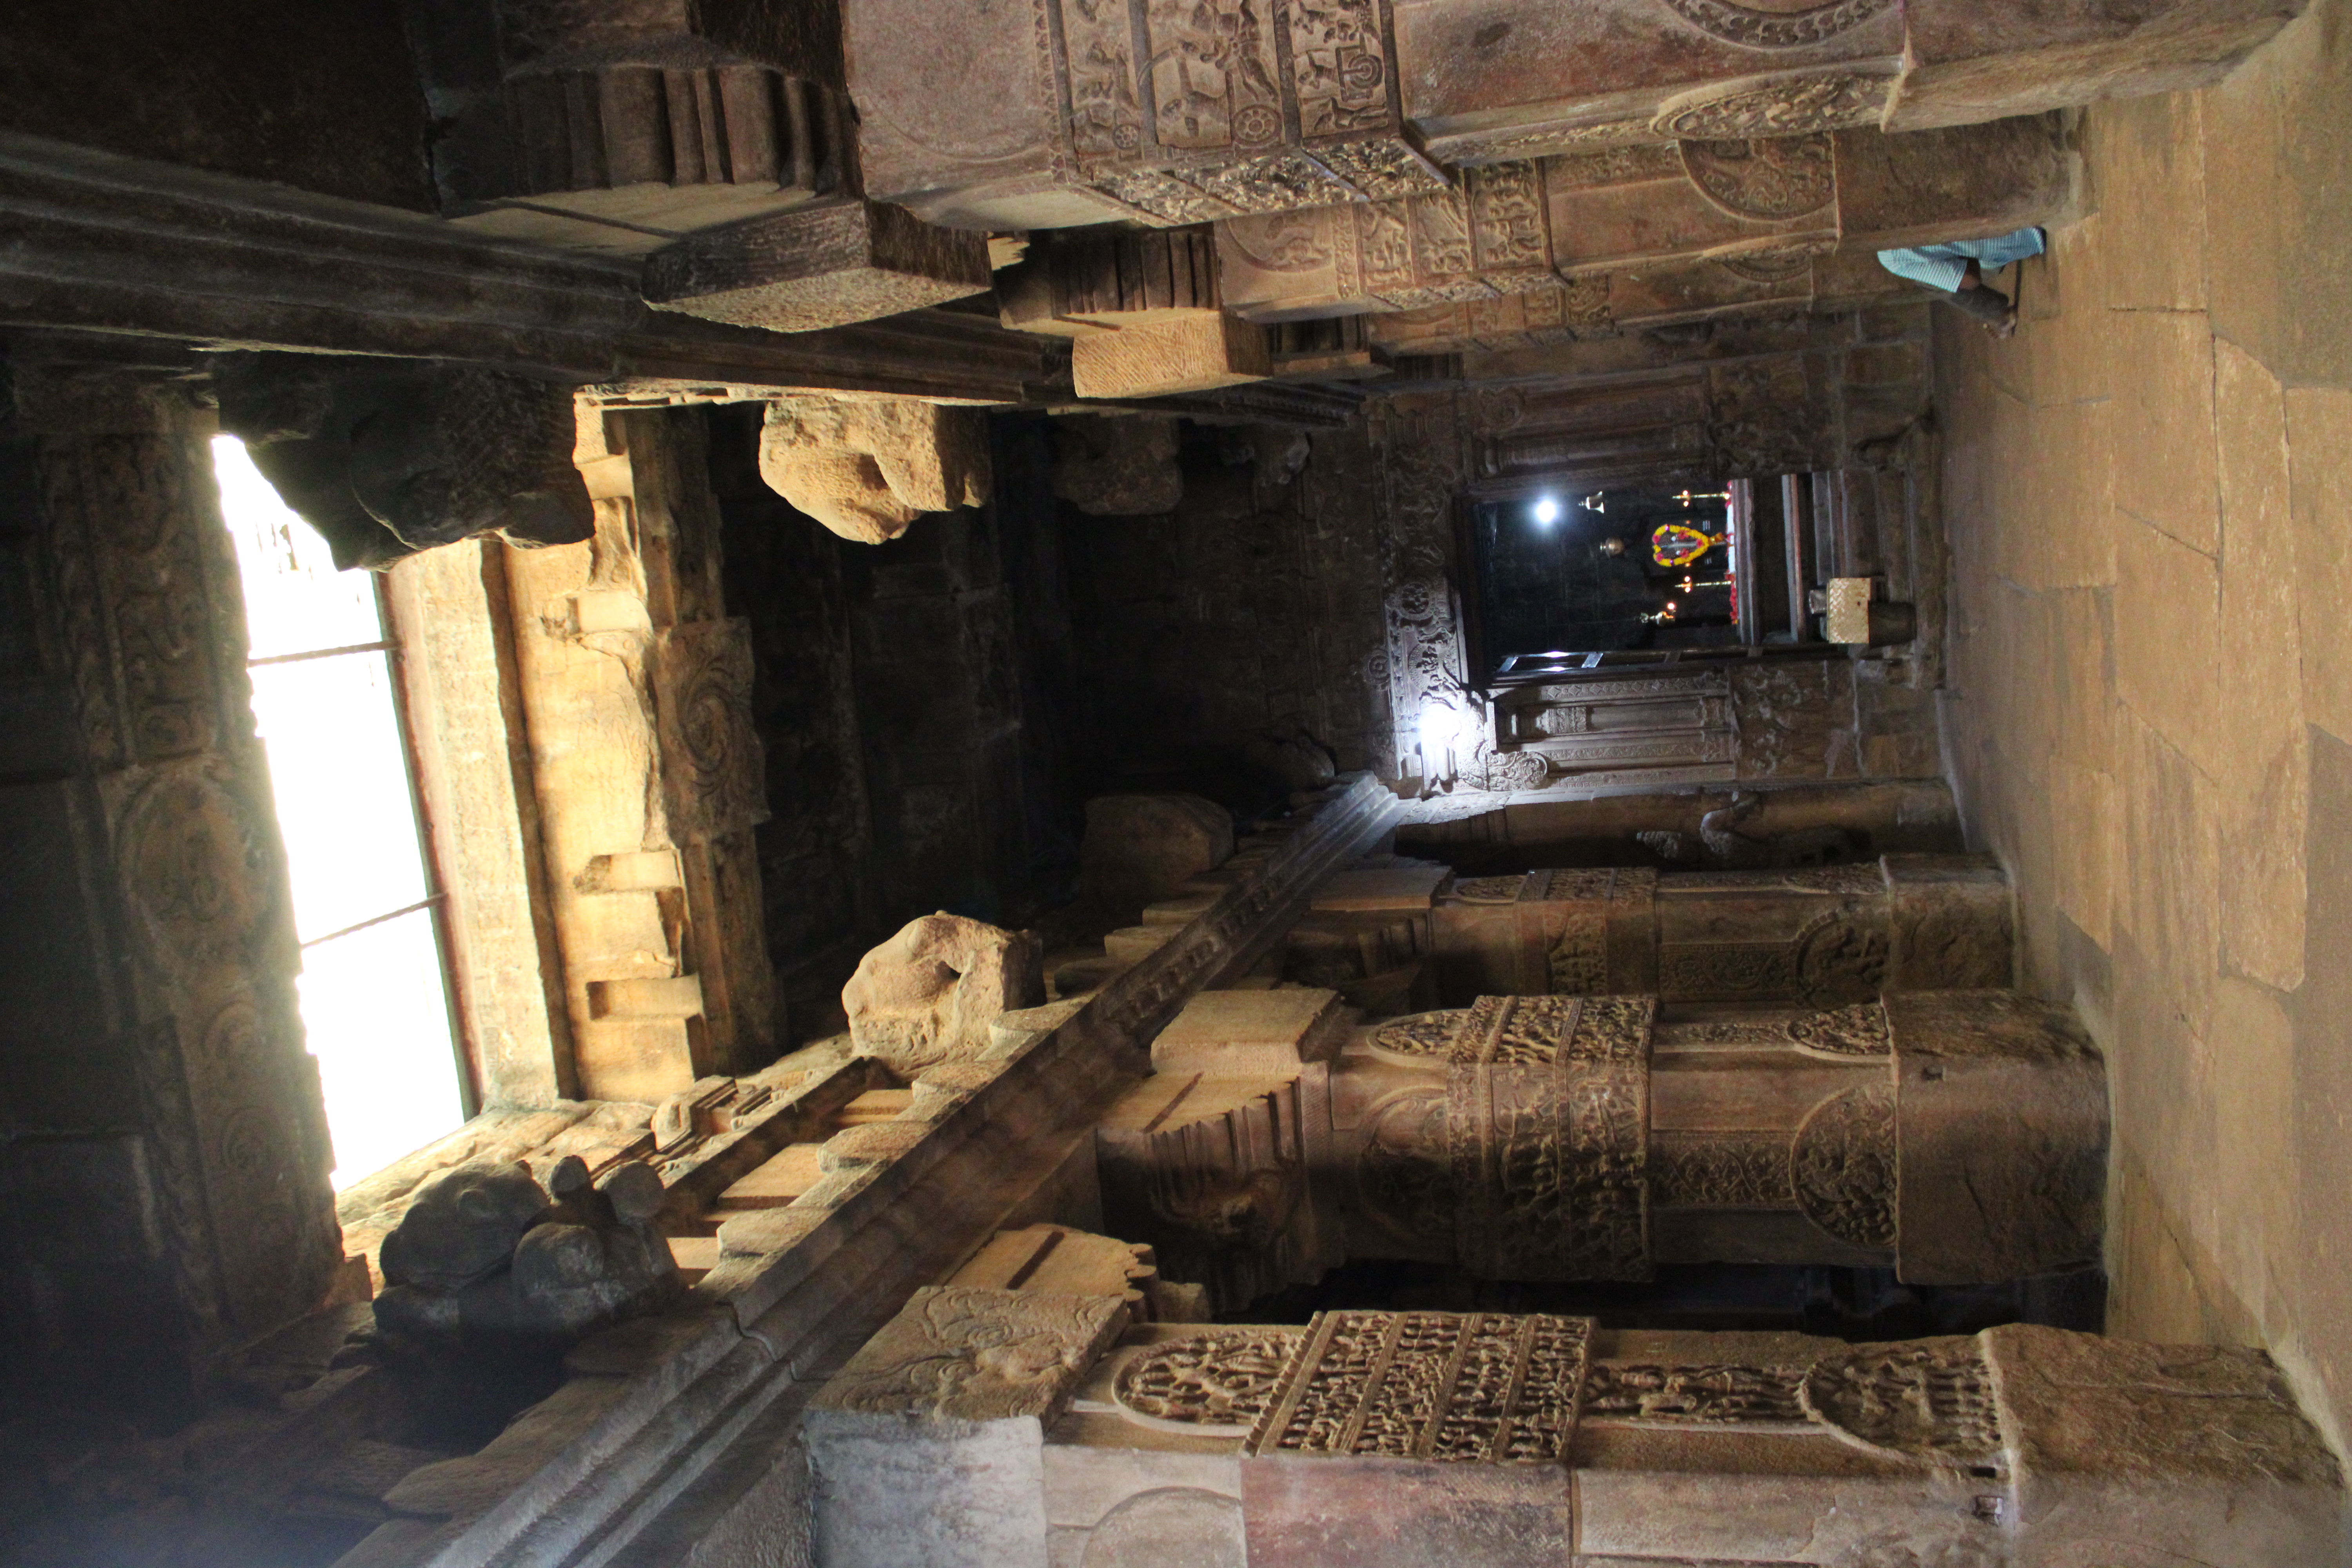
column 375, row 987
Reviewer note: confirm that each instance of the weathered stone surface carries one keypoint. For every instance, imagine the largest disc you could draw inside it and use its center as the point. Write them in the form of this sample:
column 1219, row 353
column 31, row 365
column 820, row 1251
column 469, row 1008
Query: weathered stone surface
column 1969, row 181
column 2001, row 1106
column 819, row 266
column 930, row 993
column 1974, row 63
column 1116, row 465
column 2126, row 1450
column 867, row 469
column 1191, row 351
column 1143, row 847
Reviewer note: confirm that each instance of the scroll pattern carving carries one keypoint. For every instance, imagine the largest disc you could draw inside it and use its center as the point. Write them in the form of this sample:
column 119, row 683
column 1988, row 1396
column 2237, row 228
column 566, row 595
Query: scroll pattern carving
column 1218, row 1381
column 1422, row 1034
column 1859, row 1030
column 1928, row 1399
column 1844, row 1163
column 712, row 764
column 1721, row 1171
column 1758, row 29
column 1692, row 1395
column 1773, row 179
column 1769, row 268
column 1793, row 106
column 1474, row 1388
column 1489, row 890
column 227, row 1103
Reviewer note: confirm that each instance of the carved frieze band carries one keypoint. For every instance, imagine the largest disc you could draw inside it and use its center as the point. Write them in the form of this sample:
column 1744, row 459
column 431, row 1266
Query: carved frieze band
column 1599, row 912
column 1859, row 1030
column 1548, row 1125
column 1490, row 1388
column 1188, row 113
column 1477, row 1387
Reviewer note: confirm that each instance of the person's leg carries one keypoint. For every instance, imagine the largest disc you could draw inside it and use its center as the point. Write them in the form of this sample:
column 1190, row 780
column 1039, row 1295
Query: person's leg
column 1988, row 305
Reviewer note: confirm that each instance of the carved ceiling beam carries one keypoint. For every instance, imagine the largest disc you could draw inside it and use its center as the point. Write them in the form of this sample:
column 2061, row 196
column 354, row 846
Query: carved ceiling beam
column 116, row 245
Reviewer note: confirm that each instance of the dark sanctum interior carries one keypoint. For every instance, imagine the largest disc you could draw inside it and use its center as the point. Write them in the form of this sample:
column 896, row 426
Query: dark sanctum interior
column 832, row 784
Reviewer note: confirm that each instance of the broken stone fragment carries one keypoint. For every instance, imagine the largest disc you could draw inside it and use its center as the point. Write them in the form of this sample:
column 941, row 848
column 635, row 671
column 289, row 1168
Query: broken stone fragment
column 1117, row 465
column 928, row 995
column 1139, row 848
column 867, row 468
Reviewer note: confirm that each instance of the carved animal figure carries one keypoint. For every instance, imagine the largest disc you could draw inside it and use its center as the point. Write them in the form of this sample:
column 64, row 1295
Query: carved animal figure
column 388, row 458
column 483, row 1257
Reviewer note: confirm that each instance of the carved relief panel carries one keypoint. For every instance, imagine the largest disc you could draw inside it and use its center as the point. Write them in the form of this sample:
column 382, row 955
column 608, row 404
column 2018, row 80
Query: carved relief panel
column 1164, row 113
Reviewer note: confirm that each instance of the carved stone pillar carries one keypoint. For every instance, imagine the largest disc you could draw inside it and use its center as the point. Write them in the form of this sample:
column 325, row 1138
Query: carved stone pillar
column 1820, row 936
column 166, row 1171
column 1758, row 203
column 637, row 689
column 982, row 1427
column 1959, row 1137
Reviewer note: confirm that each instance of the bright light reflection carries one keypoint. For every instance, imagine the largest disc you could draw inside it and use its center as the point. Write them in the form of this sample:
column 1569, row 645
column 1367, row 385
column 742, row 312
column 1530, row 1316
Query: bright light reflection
column 1546, row 512
column 374, row 1001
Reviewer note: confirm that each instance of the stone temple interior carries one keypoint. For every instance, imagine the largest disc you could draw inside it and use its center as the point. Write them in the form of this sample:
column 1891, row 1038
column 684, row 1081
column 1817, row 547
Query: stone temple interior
column 1285, row 783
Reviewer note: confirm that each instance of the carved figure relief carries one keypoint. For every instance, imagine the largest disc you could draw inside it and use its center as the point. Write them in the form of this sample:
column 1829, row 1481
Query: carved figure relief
column 1421, row 1035
column 1649, row 1393
column 1793, row 106
column 1216, row 1383
column 1839, row 956
column 1928, row 1399
column 193, row 864
column 1842, row 1159
column 1775, row 179
column 1756, row 28
column 1478, row 1388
